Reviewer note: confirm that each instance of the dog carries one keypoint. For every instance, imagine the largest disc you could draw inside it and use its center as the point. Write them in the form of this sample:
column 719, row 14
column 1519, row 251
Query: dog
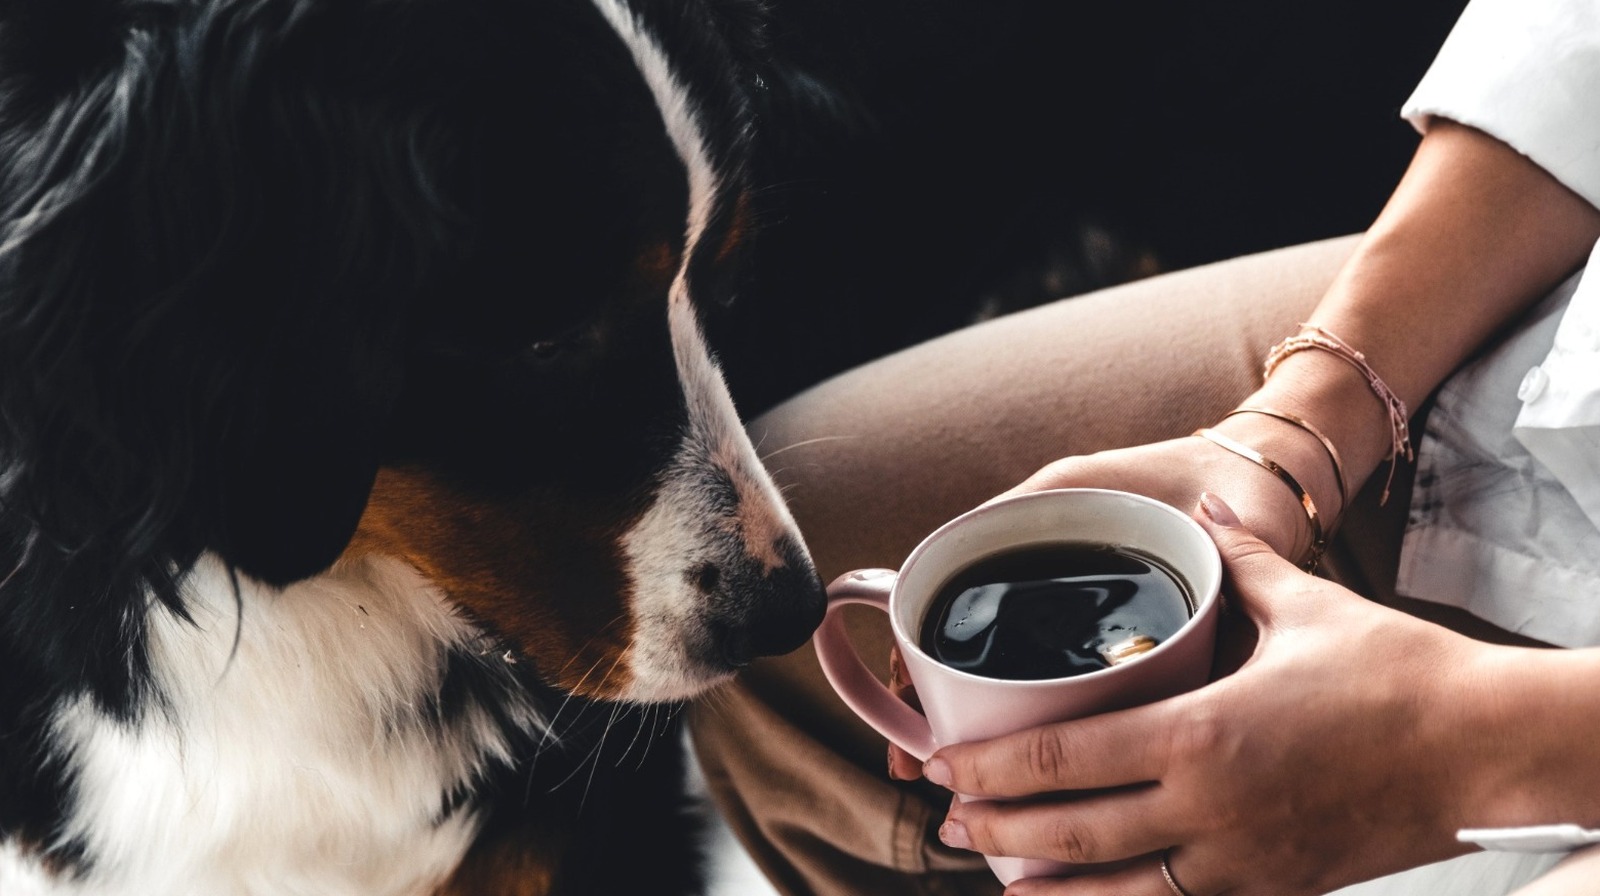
column 361, row 456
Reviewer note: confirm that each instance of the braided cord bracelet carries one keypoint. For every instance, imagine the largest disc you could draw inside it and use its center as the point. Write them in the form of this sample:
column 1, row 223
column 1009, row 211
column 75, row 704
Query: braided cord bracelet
column 1320, row 339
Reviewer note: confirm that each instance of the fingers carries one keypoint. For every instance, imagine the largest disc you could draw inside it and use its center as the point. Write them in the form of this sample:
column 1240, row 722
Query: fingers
column 1110, row 750
column 902, row 765
column 1087, row 830
column 1140, row 878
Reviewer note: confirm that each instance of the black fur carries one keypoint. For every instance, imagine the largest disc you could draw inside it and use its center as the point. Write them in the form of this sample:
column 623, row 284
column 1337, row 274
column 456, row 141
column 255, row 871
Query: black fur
column 250, row 250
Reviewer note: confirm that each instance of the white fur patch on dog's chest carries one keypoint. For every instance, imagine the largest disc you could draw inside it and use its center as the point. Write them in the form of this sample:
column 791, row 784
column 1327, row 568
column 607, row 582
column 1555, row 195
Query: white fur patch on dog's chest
column 307, row 757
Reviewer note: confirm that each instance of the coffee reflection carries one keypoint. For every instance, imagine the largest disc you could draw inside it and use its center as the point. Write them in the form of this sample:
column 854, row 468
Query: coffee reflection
column 1054, row 611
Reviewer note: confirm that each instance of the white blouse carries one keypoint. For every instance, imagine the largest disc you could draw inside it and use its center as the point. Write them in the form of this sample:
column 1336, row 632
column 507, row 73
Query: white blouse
column 1505, row 517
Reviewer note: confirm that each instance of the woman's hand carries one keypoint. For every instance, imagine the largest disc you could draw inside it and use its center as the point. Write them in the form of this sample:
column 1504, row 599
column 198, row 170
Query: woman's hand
column 1179, row 471
column 1335, row 754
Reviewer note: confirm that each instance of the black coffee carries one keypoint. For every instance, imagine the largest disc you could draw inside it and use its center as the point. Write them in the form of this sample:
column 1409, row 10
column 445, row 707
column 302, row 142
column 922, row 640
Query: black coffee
column 1053, row 610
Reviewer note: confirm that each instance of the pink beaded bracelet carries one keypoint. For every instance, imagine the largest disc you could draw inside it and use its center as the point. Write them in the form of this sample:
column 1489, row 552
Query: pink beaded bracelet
column 1315, row 337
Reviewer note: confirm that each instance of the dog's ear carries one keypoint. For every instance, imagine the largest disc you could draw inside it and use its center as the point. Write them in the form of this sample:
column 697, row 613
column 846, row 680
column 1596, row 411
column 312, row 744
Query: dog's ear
column 294, row 473
column 204, row 275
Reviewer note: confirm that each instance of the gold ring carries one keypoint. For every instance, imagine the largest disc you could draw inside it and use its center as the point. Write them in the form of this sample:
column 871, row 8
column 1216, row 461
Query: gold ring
column 1166, row 874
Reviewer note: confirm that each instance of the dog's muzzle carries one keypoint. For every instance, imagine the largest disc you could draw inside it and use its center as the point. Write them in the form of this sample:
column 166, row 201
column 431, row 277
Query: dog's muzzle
column 763, row 611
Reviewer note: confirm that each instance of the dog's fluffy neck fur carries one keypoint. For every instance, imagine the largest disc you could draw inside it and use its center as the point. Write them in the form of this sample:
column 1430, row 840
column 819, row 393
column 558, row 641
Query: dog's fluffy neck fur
column 304, row 726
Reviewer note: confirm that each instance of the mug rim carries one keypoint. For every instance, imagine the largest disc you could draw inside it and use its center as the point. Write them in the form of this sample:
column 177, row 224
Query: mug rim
column 1204, row 604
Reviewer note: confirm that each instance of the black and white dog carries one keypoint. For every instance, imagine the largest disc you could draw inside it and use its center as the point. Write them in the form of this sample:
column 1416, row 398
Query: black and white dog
column 355, row 416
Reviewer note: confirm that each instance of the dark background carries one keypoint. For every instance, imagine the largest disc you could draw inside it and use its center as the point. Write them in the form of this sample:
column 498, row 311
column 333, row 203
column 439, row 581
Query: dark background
column 924, row 162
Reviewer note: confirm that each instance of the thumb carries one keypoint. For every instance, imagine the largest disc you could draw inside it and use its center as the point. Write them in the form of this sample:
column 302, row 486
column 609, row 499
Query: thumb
column 1260, row 578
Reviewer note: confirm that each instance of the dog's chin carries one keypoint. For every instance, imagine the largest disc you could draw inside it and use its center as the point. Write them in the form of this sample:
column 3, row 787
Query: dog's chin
column 677, row 685
column 675, row 660
column 666, row 664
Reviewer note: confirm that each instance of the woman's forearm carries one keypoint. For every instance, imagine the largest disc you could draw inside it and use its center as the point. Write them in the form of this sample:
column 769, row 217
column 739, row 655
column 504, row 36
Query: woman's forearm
column 1531, row 754
column 1473, row 235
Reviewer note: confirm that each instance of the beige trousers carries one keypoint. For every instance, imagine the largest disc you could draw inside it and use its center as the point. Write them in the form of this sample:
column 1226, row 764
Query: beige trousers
column 875, row 459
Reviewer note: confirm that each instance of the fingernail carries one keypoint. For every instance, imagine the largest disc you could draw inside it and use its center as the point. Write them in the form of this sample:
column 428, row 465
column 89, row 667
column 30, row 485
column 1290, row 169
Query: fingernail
column 938, row 771
column 1218, row 511
column 954, row 833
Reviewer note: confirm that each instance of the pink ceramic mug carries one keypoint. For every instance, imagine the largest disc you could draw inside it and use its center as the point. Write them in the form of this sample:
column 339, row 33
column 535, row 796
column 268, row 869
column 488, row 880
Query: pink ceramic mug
column 963, row 707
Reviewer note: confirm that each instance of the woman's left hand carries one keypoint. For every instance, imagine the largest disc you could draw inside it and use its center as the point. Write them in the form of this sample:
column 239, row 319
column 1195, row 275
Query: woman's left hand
column 1334, row 754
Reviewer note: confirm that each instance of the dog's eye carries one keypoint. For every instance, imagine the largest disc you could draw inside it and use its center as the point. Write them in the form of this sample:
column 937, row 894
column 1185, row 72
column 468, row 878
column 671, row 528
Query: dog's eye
column 545, row 349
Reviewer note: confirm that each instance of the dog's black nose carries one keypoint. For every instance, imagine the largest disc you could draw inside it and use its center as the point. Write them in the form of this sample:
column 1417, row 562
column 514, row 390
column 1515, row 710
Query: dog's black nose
column 777, row 610
column 784, row 623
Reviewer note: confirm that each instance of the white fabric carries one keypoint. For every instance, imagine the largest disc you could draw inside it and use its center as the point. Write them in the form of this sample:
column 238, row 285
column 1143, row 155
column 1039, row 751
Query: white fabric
column 1491, row 530
column 1474, row 874
column 1560, row 419
column 1505, row 517
column 1537, row 838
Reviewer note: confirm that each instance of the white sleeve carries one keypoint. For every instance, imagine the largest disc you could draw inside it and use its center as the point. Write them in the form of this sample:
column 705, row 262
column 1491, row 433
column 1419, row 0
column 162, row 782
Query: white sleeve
column 1528, row 73
column 1559, row 423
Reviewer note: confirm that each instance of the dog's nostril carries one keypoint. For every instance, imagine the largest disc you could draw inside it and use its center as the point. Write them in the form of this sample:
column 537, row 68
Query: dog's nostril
column 706, row 577
column 733, row 644
column 737, row 650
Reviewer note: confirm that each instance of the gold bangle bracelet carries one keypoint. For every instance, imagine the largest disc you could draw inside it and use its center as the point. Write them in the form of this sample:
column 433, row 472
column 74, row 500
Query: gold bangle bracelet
column 1318, row 541
column 1302, row 423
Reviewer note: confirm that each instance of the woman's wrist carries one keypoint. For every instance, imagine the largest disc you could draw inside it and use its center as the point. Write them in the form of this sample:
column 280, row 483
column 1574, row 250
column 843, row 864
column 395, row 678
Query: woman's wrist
column 1305, row 488
column 1337, row 404
column 1321, row 423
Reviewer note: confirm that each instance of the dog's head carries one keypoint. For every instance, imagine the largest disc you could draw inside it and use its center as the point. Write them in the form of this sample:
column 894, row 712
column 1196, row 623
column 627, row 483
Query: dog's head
column 296, row 280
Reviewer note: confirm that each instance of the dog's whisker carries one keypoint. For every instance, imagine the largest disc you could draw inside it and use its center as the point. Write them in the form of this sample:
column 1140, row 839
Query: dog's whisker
column 599, row 750
column 591, row 758
column 550, row 730
column 656, row 714
column 598, row 634
column 604, row 679
column 661, row 715
column 638, row 733
column 804, row 442
column 718, row 699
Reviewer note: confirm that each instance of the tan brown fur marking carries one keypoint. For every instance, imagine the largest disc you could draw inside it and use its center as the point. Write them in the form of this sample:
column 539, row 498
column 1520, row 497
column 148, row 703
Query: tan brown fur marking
column 507, row 571
column 738, row 226
column 657, row 265
column 522, row 861
column 757, row 525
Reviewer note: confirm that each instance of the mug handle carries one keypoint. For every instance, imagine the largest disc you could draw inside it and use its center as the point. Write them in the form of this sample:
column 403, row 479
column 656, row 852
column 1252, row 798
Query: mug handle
column 861, row 690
